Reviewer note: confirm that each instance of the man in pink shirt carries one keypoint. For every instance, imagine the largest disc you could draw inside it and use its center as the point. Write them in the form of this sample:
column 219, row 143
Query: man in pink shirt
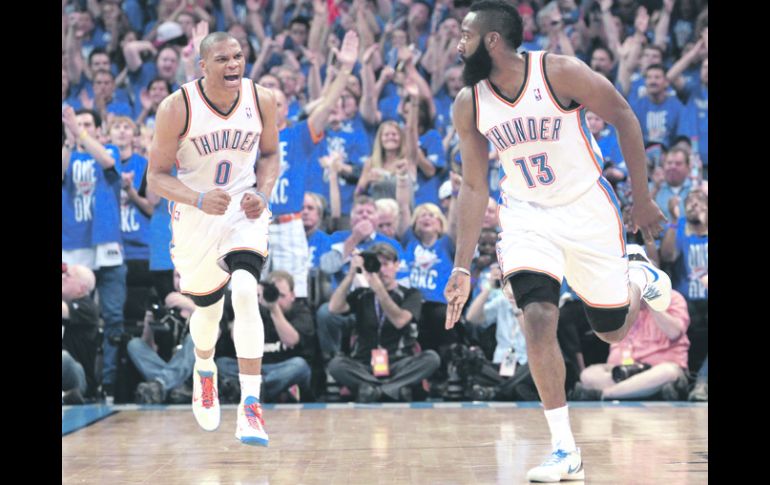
column 658, row 339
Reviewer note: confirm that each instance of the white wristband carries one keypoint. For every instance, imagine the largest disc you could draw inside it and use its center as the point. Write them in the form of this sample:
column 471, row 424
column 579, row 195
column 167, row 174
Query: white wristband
column 460, row 270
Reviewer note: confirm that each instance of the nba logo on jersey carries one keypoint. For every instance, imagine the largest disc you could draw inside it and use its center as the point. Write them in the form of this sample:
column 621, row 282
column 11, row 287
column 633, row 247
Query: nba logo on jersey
column 248, row 112
column 537, row 94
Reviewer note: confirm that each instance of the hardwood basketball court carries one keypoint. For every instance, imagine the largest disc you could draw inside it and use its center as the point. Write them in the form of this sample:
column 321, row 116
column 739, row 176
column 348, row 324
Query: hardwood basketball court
column 417, row 443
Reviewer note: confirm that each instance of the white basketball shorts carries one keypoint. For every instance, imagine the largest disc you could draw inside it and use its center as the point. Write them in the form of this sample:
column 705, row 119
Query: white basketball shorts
column 583, row 241
column 201, row 241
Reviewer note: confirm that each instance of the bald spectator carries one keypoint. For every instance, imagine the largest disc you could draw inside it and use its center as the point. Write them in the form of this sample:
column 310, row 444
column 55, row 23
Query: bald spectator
column 80, row 335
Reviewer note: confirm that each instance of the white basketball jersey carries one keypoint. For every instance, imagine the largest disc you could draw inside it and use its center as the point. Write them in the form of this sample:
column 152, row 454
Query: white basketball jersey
column 547, row 152
column 220, row 150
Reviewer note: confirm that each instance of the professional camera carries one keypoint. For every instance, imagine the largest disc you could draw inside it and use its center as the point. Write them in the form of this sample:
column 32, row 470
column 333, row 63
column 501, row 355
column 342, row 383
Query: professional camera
column 167, row 320
column 371, row 261
column 270, row 292
column 623, row 372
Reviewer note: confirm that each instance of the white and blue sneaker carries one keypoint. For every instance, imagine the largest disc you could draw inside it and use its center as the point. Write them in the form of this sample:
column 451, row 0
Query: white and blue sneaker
column 250, row 429
column 657, row 291
column 561, row 465
column 205, row 399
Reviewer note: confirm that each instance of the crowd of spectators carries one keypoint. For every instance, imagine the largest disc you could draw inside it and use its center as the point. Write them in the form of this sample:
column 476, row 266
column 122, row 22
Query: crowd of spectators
column 364, row 217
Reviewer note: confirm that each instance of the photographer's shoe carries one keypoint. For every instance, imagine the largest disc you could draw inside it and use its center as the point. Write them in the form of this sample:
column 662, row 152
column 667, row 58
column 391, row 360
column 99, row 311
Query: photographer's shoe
column 205, row 399
column 657, row 291
column 150, row 392
column 250, row 429
column 559, row 466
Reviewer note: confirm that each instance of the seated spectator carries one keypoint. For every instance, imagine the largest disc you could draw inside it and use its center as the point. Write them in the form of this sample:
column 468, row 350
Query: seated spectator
column 289, row 342
column 80, row 334
column 336, row 262
column 493, row 306
column 384, row 362
column 652, row 358
column 164, row 380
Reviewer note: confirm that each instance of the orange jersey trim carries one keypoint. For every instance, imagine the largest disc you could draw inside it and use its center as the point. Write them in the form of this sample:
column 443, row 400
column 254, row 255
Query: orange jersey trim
column 617, row 217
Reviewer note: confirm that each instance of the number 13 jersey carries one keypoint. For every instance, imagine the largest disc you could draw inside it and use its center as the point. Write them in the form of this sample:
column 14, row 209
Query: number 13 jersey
column 546, row 150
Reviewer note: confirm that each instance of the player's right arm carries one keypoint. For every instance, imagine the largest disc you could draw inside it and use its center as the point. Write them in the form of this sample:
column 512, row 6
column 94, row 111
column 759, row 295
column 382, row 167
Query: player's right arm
column 471, row 202
column 169, row 124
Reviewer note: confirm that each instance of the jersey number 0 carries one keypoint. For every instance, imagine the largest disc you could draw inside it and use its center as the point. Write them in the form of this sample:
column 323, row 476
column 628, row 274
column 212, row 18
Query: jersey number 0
column 222, row 175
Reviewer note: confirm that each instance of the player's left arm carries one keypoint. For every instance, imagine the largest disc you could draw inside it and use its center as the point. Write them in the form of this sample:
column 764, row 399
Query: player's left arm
column 268, row 164
column 574, row 80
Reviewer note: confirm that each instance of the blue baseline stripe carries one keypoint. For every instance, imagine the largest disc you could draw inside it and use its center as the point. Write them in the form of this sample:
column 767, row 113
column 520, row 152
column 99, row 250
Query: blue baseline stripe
column 78, row 417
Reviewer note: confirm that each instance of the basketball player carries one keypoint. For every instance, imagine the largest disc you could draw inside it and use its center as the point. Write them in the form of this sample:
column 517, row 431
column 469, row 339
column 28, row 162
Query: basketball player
column 221, row 132
column 559, row 216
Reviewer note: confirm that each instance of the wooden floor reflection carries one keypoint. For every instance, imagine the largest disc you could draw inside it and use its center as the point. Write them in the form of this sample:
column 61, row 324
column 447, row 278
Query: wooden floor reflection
column 644, row 444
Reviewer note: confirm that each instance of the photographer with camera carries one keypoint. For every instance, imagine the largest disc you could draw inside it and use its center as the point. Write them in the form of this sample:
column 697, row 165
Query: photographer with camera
column 383, row 362
column 164, row 380
column 289, row 341
column 80, row 335
column 651, row 358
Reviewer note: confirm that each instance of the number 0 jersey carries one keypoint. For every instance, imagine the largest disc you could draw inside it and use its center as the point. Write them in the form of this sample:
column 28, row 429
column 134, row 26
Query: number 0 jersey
column 546, row 150
column 219, row 150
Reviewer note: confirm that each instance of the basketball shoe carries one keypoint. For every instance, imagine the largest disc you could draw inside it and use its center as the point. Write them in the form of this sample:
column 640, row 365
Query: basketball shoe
column 250, row 428
column 559, row 466
column 205, row 399
column 657, row 291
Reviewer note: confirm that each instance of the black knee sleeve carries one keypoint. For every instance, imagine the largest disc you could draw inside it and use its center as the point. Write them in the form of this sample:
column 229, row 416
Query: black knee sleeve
column 207, row 300
column 246, row 260
column 531, row 287
column 604, row 320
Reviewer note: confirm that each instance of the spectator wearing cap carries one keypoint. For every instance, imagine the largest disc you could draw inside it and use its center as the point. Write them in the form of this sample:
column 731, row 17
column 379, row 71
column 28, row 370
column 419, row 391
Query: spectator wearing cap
column 658, row 112
column 80, row 334
column 384, row 361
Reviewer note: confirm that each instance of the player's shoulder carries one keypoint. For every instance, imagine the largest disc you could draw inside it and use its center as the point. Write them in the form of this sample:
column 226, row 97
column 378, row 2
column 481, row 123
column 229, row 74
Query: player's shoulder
column 561, row 65
column 174, row 103
column 263, row 92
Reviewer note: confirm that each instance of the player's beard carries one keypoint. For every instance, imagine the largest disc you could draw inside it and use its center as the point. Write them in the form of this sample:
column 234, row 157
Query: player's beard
column 477, row 66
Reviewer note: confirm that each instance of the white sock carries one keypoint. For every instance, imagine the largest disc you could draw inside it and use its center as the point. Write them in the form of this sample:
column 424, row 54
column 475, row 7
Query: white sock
column 561, row 433
column 250, row 385
column 205, row 364
column 638, row 277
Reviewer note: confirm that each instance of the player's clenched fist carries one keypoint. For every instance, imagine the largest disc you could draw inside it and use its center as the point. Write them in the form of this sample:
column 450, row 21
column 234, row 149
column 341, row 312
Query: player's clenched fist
column 252, row 205
column 215, row 202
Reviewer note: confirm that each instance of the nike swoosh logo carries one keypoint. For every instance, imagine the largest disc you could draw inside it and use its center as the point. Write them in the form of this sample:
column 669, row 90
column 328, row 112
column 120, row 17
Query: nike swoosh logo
column 654, row 273
column 571, row 470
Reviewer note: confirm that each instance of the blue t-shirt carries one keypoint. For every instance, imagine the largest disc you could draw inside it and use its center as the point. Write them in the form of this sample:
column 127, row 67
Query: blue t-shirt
column 608, row 144
column 429, row 267
column 355, row 146
column 389, row 108
column 426, row 189
column 317, row 244
column 90, row 201
column 295, row 147
column 638, row 88
column 135, row 225
column 692, row 264
column 160, row 237
column 659, row 122
column 695, row 122
column 443, row 111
